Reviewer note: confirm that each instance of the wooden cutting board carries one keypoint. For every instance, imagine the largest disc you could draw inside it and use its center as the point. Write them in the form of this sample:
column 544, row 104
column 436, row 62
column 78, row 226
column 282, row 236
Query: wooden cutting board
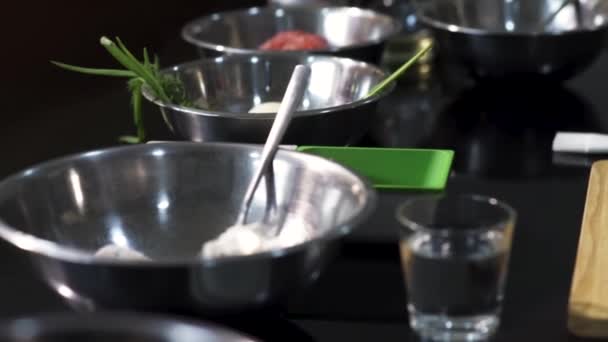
column 588, row 303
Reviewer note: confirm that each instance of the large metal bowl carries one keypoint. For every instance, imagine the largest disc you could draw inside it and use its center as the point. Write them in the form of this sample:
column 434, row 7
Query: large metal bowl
column 350, row 31
column 334, row 111
column 104, row 327
column 518, row 38
column 165, row 200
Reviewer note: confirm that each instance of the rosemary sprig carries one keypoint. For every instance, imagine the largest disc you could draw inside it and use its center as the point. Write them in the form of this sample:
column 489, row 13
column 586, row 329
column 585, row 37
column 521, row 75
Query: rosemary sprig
column 147, row 73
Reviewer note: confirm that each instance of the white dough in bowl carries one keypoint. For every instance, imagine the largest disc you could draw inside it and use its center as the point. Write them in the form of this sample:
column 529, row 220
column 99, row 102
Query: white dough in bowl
column 236, row 240
column 113, row 252
column 255, row 238
column 265, row 108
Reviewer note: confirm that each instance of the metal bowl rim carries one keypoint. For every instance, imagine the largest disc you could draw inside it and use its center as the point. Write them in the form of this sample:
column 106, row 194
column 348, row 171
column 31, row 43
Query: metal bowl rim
column 54, row 250
column 453, row 28
column 266, row 116
column 121, row 321
column 186, row 29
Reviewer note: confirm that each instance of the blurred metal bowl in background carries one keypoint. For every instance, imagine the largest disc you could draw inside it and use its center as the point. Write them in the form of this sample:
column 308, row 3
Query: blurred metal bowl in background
column 104, row 327
column 334, row 110
column 513, row 38
column 165, row 200
column 313, row 2
column 350, row 31
column 401, row 10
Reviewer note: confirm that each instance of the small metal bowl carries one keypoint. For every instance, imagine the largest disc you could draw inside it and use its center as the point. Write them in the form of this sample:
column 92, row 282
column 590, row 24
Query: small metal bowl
column 103, row 327
column 334, row 111
column 165, row 200
column 518, row 38
column 350, row 31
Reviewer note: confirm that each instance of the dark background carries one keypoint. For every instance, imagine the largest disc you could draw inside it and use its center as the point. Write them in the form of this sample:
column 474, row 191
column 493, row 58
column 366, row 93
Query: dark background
column 35, row 32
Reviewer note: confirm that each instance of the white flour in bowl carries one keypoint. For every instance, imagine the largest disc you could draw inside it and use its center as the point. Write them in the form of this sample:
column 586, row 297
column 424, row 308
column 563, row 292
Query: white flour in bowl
column 255, row 238
column 265, row 108
column 236, row 240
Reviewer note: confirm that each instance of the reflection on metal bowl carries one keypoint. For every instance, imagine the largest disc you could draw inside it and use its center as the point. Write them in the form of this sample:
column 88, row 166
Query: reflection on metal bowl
column 335, row 109
column 165, row 200
column 113, row 327
column 350, row 31
column 518, row 38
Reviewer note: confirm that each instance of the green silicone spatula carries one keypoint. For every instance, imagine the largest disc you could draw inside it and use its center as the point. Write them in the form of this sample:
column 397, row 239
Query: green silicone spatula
column 392, row 168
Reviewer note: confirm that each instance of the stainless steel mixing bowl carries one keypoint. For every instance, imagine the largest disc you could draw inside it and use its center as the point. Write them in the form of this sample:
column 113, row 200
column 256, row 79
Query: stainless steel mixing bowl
column 512, row 38
column 165, row 200
column 334, row 111
column 112, row 327
column 350, row 31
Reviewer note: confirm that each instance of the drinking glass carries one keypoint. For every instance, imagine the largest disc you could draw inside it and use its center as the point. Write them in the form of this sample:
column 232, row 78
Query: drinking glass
column 454, row 254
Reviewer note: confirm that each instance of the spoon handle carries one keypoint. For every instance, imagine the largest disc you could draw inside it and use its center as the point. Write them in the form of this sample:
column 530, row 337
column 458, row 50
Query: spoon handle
column 291, row 100
column 547, row 22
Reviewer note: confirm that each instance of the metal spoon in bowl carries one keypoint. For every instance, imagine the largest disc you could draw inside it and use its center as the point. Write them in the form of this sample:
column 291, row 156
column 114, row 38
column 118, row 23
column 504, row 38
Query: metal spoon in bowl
column 549, row 20
column 243, row 238
column 291, row 100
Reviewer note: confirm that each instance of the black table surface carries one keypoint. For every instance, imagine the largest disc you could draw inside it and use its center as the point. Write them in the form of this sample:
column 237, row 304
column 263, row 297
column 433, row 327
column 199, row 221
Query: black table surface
column 502, row 137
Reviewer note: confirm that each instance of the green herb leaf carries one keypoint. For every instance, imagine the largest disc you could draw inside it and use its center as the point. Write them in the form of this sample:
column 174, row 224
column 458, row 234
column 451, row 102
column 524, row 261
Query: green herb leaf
column 132, row 64
column 382, row 85
column 95, row 71
column 123, row 59
column 146, row 58
column 156, row 62
column 129, row 139
column 135, row 86
column 144, row 72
